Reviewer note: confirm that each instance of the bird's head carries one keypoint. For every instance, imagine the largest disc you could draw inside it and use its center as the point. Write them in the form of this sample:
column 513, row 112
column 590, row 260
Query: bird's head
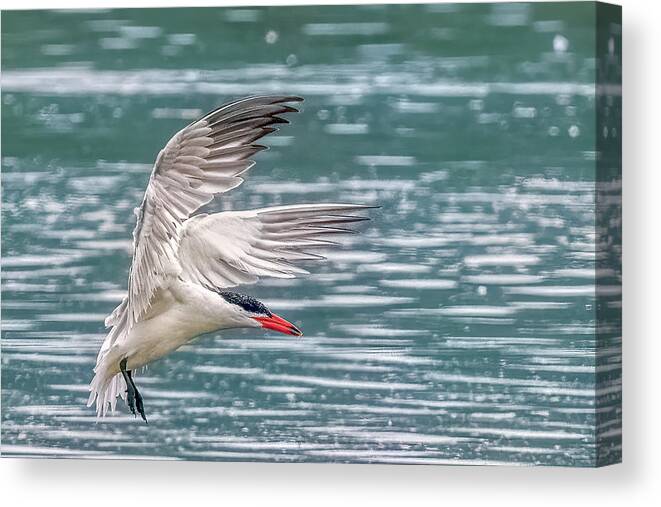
column 248, row 312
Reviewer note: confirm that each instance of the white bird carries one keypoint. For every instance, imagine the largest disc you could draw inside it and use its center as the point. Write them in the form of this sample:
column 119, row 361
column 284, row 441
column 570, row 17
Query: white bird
column 183, row 264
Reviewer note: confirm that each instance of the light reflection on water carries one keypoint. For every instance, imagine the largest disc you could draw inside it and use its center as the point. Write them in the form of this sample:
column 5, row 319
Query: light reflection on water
column 458, row 327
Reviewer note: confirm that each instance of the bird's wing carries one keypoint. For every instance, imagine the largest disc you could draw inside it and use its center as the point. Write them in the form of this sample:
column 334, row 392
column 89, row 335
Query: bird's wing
column 237, row 247
column 205, row 158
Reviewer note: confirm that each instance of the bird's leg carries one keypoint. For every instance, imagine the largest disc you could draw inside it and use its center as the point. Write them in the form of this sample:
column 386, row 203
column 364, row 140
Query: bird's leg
column 133, row 396
column 130, row 387
column 138, row 400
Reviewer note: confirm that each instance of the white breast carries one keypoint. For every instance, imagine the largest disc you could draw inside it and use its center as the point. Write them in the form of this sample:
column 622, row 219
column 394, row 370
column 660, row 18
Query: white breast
column 180, row 314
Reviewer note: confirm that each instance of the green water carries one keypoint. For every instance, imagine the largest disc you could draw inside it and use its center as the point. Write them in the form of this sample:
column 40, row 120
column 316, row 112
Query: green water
column 458, row 327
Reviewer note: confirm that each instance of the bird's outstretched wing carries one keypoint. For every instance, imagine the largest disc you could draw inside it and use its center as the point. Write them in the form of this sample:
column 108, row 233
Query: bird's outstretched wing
column 237, row 247
column 205, row 158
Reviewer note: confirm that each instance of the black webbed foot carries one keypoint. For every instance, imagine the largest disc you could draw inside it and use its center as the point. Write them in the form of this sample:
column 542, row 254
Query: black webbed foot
column 140, row 406
column 130, row 398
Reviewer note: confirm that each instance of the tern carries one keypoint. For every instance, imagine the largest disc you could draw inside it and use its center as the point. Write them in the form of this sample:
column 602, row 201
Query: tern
column 184, row 263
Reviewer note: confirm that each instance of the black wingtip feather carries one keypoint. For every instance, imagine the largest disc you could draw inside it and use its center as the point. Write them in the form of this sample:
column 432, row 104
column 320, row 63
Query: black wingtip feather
column 251, row 108
column 288, row 109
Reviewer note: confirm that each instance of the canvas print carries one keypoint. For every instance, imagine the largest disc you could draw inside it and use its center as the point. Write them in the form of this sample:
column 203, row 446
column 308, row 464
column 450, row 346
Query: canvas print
column 347, row 234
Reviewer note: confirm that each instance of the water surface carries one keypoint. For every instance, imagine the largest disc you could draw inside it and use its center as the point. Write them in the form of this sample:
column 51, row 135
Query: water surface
column 459, row 326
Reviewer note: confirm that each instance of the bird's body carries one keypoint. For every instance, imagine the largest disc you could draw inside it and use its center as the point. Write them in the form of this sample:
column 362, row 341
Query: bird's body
column 183, row 264
column 181, row 312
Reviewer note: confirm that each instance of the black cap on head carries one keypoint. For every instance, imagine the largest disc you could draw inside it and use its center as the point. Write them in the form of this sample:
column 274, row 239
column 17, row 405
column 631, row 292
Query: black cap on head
column 248, row 303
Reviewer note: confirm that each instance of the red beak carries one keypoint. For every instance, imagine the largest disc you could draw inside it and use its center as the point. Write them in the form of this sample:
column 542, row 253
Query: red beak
column 278, row 324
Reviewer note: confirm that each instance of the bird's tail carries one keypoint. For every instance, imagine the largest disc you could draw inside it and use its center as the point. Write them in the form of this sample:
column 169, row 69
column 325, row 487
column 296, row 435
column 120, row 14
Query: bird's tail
column 107, row 383
column 105, row 390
